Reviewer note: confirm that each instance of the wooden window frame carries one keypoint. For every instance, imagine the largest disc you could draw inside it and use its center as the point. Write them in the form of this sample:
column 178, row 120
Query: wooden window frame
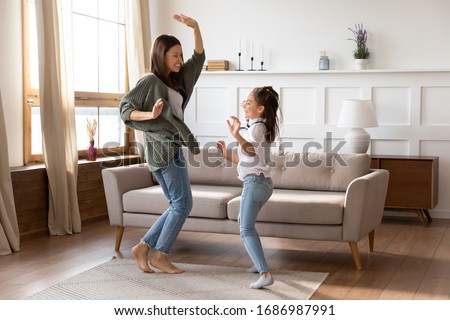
column 82, row 99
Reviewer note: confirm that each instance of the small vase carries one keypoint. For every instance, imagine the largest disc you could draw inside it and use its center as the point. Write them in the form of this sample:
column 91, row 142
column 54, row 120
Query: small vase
column 324, row 63
column 91, row 151
column 361, row 64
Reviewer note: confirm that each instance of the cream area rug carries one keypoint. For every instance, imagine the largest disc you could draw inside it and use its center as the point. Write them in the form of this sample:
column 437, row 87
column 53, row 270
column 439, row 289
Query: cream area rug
column 120, row 279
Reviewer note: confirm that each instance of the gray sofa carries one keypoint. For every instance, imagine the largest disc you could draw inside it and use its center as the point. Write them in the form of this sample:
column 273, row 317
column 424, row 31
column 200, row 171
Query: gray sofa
column 316, row 196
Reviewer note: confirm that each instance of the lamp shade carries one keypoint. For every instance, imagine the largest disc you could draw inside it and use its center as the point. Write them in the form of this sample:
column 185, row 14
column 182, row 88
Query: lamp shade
column 357, row 114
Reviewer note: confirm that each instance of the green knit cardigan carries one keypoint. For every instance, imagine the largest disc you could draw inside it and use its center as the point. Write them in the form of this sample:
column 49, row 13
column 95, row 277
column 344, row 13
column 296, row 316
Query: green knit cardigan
column 165, row 134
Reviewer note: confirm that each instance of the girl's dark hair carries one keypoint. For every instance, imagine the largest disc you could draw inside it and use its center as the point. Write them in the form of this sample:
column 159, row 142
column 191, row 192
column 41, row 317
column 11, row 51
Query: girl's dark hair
column 269, row 98
column 161, row 45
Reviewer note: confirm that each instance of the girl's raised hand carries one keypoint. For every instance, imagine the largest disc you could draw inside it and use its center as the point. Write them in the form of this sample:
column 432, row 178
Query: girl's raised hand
column 234, row 125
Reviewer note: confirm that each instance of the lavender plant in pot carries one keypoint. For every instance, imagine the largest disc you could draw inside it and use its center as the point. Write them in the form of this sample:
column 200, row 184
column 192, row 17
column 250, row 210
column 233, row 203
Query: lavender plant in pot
column 361, row 53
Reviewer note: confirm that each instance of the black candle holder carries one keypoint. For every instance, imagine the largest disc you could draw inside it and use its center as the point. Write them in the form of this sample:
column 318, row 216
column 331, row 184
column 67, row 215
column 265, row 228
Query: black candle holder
column 251, row 65
column 239, row 67
column 262, row 66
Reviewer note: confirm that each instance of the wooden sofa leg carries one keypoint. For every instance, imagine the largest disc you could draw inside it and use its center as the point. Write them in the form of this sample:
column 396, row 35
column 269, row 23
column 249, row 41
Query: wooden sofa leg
column 371, row 240
column 356, row 256
column 119, row 235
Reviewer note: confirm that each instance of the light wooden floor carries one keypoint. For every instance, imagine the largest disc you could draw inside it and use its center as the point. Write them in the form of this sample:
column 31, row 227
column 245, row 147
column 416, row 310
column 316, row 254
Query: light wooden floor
column 410, row 261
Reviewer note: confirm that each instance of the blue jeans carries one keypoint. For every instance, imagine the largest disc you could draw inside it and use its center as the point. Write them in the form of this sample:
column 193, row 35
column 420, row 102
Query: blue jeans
column 257, row 190
column 174, row 181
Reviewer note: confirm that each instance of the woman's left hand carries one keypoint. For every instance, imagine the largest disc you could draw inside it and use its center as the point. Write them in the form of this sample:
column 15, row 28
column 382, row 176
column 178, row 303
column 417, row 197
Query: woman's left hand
column 186, row 20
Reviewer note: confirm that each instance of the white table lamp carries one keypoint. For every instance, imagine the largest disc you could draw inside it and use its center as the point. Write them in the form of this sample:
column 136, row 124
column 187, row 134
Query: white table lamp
column 357, row 115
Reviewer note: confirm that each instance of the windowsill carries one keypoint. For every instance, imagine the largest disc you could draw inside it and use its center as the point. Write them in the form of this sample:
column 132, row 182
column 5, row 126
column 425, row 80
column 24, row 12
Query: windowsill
column 111, row 161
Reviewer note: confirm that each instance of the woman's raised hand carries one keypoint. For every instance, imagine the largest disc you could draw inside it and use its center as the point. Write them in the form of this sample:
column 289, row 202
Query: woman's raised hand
column 186, row 20
column 198, row 41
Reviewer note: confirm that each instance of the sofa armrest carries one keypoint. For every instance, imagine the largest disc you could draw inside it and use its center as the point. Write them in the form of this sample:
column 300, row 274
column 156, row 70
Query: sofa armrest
column 119, row 180
column 364, row 204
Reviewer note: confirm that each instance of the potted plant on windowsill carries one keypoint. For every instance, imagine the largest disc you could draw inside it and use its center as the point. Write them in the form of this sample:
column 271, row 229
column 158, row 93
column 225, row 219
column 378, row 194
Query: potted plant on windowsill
column 361, row 53
column 91, row 128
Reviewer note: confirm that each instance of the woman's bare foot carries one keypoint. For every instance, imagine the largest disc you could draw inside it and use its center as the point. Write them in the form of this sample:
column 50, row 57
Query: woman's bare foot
column 140, row 253
column 161, row 261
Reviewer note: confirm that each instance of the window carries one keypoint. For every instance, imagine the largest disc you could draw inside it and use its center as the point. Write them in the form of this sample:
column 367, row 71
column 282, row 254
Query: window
column 100, row 77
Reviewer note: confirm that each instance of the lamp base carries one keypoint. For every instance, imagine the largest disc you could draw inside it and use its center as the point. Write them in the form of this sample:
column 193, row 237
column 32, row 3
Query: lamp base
column 357, row 140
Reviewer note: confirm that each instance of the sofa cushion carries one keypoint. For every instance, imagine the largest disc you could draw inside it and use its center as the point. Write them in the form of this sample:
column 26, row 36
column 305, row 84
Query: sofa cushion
column 210, row 168
column 318, row 171
column 209, row 201
column 298, row 206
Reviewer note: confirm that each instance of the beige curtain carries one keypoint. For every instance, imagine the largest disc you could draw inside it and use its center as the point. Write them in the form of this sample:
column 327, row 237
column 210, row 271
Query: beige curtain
column 9, row 230
column 54, row 25
column 138, row 49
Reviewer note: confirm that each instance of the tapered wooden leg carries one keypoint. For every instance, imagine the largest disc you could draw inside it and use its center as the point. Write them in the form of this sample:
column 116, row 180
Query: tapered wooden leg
column 371, row 240
column 119, row 234
column 427, row 214
column 420, row 214
column 356, row 256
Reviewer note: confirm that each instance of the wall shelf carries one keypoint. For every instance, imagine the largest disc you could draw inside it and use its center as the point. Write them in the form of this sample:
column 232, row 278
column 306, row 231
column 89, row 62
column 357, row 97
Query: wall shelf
column 370, row 71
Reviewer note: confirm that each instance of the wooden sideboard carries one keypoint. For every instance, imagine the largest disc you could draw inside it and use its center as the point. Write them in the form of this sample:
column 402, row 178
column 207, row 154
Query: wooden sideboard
column 413, row 183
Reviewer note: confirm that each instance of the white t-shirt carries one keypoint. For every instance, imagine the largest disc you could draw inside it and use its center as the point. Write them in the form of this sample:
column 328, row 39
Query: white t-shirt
column 257, row 164
column 176, row 101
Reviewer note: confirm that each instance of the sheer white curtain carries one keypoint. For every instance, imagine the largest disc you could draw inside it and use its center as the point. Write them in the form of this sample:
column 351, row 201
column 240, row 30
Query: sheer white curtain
column 138, row 49
column 9, row 230
column 54, row 26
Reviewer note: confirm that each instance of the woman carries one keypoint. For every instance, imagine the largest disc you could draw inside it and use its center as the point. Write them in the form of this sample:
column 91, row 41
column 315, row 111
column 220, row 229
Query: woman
column 156, row 106
column 253, row 160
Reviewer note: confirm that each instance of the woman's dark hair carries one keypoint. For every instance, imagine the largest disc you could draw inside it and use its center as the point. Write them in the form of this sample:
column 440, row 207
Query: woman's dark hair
column 161, row 45
column 269, row 98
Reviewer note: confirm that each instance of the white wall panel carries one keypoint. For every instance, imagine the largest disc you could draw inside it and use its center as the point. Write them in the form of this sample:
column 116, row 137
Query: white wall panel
column 212, row 105
column 389, row 147
column 436, row 106
column 298, row 105
column 333, row 101
column 392, row 105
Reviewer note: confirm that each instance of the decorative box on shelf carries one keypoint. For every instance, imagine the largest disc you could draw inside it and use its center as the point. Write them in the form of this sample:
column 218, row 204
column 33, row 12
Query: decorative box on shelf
column 217, row 65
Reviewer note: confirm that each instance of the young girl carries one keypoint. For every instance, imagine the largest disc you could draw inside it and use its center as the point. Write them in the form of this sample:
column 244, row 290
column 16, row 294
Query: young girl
column 253, row 160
